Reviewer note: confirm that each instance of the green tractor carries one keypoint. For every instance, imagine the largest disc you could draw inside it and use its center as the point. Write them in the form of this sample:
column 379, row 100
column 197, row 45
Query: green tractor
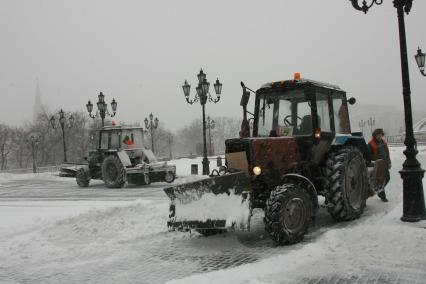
column 120, row 158
column 301, row 146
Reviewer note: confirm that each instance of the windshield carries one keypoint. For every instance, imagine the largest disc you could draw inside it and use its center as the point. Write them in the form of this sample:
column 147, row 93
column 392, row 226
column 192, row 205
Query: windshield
column 284, row 114
column 131, row 139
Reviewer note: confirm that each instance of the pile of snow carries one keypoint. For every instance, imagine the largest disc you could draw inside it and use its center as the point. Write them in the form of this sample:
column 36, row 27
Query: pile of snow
column 135, row 219
column 232, row 208
column 89, row 236
column 22, row 215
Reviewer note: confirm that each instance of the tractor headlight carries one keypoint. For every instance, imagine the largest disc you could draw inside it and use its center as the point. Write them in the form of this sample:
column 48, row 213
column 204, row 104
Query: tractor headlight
column 257, row 170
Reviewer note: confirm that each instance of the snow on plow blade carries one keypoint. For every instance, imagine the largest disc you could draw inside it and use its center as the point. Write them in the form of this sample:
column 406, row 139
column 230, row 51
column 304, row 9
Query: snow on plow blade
column 215, row 202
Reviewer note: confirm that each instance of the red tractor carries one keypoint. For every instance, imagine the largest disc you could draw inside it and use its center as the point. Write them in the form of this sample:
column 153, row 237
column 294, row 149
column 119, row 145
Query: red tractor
column 301, row 146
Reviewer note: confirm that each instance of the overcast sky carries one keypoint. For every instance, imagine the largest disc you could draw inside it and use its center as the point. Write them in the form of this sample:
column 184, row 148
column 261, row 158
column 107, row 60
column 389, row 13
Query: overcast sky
column 140, row 52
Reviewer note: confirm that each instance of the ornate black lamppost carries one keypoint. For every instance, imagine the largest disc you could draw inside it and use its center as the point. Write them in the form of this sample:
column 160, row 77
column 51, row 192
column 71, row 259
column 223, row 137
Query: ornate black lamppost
column 420, row 60
column 202, row 95
column 62, row 122
column 151, row 125
column 361, row 124
column 210, row 124
column 33, row 140
column 102, row 108
column 411, row 173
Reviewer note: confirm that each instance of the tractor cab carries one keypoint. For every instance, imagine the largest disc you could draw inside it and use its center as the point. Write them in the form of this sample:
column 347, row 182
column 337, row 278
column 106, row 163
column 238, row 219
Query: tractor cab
column 300, row 108
column 126, row 138
column 295, row 124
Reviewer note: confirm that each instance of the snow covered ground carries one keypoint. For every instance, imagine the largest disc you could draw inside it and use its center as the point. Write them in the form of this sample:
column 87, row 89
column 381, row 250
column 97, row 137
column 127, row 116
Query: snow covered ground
column 51, row 231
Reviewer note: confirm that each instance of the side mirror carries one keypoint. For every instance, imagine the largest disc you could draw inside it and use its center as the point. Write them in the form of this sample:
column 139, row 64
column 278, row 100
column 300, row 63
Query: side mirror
column 352, row 101
column 245, row 97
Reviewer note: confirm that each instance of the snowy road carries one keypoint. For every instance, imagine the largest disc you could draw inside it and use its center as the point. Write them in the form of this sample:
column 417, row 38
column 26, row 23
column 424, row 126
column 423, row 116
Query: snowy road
column 65, row 228
column 51, row 231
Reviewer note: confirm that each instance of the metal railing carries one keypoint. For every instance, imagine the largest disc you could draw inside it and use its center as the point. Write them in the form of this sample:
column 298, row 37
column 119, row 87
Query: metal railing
column 49, row 169
column 398, row 140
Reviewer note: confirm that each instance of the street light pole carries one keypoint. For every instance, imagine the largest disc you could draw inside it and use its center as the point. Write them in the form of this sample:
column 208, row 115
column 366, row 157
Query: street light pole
column 62, row 122
column 151, row 125
column 102, row 111
column 33, row 141
column 202, row 95
column 371, row 122
column 411, row 173
column 361, row 124
column 210, row 124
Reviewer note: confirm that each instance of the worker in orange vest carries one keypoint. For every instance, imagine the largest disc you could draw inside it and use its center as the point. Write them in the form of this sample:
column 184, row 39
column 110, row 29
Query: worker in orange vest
column 379, row 150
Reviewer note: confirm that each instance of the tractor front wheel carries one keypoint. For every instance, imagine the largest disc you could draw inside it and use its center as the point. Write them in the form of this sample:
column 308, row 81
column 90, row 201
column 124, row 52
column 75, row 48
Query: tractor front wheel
column 113, row 172
column 288, row 213
column 347, row 190
column 82, row 177
column 169, row 177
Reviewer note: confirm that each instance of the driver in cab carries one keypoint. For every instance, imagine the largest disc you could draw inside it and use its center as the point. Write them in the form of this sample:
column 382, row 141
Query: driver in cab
column 127, row 141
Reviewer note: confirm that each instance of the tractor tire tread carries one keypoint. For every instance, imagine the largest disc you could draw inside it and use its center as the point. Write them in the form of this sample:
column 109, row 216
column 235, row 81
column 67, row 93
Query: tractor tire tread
column 337, row 205
column 121, row 178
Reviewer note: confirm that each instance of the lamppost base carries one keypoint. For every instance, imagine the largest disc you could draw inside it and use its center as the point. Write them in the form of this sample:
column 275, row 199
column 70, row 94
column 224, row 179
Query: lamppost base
column 413, row 196
column 412, row 219
column 206, row 169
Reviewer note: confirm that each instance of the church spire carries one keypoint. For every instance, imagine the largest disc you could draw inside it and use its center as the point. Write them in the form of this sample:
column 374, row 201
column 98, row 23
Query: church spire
column 38, row 107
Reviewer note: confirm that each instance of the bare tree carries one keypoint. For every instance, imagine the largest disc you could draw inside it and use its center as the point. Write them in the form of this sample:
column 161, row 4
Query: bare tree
column 20, row 150
column 161, row 141
column 189, row 139
column 5, row 145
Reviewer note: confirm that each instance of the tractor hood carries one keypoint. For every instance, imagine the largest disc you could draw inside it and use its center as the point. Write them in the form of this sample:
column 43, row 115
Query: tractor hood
column 274, row 155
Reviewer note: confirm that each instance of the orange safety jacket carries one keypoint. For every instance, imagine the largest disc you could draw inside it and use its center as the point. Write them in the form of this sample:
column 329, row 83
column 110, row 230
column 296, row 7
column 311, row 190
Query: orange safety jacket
column 375, row 149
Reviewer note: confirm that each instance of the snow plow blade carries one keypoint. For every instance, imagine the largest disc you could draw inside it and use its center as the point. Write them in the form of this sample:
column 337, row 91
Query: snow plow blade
column 213, row 203
column 70, row 169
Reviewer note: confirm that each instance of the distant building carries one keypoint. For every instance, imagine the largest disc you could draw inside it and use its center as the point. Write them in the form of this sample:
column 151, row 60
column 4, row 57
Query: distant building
column 419, row 130
column 38, row 106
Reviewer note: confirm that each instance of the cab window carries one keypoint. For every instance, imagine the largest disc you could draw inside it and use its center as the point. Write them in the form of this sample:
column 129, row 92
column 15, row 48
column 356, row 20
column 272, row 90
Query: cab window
column 323, row 112
column 115, row 141
column 341, row 116
column 131, row 139
column 277, row 113
column 104, row 140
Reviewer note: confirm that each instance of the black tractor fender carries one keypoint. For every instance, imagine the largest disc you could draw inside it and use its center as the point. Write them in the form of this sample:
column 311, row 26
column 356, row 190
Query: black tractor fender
column 354, row 141
column 122, row 155
column 307, row 184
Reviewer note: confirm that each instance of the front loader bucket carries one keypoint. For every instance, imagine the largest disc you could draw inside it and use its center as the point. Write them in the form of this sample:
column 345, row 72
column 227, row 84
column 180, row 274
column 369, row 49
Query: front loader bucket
column 215, row 202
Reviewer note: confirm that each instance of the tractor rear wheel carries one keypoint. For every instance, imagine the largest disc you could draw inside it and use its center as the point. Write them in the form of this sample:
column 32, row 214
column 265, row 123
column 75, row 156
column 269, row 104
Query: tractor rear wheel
column 347, row 190
column 82, row 178
column 113, row 172
column 288, row 213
